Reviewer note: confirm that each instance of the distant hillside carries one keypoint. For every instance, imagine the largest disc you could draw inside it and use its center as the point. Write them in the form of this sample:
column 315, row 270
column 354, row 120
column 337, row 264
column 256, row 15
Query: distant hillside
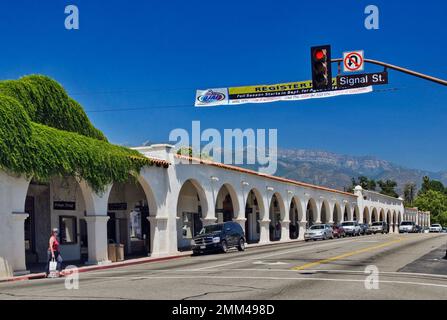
column 335, row 170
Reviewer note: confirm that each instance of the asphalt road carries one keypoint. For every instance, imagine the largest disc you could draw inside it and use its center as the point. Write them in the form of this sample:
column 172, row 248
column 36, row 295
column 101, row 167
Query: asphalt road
column 410, row 266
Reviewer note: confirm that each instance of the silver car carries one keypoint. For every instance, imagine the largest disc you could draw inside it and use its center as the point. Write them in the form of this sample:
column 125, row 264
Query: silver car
column 351, row 228
column 407, row 226
column 319, row 231
column 435, row 227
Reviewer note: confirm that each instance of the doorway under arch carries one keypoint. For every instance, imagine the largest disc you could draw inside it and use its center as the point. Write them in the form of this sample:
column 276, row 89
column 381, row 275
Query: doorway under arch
column 190, row 205
column 253, row 215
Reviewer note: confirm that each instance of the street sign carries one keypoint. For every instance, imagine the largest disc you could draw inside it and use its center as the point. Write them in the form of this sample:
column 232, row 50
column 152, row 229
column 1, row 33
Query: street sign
column 353, row 61
column 362, row 80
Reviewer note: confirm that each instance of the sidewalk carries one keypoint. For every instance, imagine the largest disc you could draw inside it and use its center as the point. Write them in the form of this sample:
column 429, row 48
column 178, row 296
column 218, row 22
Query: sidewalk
column 135, row 261
column 111, row 265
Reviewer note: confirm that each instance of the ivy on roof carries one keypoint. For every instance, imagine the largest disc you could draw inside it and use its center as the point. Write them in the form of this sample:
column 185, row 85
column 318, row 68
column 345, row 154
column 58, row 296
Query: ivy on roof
column 44, row 133
column 47, row 102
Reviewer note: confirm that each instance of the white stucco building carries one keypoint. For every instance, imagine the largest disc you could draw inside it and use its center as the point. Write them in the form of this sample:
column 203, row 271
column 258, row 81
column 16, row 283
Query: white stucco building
column 168, row 204
column 419, row 217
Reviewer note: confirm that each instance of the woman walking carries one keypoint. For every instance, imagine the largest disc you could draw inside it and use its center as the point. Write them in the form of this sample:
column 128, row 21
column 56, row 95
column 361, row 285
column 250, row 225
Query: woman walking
column 53, row 252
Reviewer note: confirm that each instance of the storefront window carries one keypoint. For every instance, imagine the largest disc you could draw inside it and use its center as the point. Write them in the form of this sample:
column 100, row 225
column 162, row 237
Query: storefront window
column 135, row 225
column 67, row 227
column 191, row 224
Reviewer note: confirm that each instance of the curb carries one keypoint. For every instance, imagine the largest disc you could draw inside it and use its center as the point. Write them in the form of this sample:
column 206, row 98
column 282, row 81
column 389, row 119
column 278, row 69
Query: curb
column 114, row 265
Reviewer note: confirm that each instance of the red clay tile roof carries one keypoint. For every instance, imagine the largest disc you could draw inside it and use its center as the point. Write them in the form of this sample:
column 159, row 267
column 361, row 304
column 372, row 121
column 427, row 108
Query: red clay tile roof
column 155, row 161
column 242, row 170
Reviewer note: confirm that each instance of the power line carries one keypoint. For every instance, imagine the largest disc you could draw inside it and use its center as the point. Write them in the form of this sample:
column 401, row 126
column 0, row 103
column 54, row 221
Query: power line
column 124, row 91
column 401, row 69
column 141, row 108
column 180, row 106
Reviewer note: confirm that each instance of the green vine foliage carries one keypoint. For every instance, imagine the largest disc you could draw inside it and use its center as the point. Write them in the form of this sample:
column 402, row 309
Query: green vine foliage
column 47, row 102
column 29, row 144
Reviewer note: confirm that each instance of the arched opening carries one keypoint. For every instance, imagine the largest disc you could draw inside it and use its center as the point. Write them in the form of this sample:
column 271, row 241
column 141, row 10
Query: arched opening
column 347, row 213
column 382, row 215
column 366, row 216
column 276, row 216
column 374, row 216
column 225, row 204
column 129, row 208
column 295, row 218
column 394, row 221
column 337, row 213
column 58, row 203
column 253, row 215
column 190, row 205
column 325, row 212
column 311, row 212
column 388, row 219
column 356, row 214
column 399, row 218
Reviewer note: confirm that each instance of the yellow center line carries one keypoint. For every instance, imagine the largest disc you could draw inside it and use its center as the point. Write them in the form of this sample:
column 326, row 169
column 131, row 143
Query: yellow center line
column 348, row 254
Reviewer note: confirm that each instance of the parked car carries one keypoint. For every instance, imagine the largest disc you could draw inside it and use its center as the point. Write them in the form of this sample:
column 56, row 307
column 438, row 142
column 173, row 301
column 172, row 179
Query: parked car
column 351, row 228
column 407, row 227
column 219, row 237
column 435, row 227
column 363, row 228
column 378, row 227
column 444, row 230
column 338, row 231
column 319, row 231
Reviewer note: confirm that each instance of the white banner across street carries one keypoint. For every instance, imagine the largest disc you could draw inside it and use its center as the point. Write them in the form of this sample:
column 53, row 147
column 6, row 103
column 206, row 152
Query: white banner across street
column 290, row 91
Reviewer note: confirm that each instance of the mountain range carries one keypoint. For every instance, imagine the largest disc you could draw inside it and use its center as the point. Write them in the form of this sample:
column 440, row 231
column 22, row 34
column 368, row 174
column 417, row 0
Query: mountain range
column 336, row 170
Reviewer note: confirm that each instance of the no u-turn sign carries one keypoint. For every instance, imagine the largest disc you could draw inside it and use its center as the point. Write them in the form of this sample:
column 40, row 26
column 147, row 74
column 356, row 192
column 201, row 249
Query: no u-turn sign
column 353, row 61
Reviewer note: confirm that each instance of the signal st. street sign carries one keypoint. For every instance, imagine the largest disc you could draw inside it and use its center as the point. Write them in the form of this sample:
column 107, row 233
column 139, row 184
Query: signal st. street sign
column 362, row 80
column 353, row 61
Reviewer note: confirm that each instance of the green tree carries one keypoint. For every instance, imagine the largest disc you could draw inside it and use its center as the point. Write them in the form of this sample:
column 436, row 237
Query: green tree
column 188, row 152
column 409, row 193
column 387, row 188
column 364, row 182
column 436, row 203
column 434, row 185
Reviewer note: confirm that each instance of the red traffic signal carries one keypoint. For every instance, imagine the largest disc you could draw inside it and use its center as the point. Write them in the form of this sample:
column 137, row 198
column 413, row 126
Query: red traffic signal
column 319, row 54
column 321, row 67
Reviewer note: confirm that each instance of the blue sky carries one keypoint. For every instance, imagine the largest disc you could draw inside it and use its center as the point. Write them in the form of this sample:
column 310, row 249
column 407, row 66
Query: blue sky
column 141, row 54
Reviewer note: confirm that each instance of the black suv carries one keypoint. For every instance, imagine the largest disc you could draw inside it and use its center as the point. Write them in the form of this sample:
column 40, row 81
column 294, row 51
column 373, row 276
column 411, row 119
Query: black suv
column 219, row 237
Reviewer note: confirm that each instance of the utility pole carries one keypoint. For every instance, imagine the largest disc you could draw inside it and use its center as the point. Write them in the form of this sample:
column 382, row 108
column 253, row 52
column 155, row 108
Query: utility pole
column 400, row 69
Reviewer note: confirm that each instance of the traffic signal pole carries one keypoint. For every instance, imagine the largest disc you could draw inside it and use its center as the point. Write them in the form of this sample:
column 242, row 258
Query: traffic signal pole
column 400, row 69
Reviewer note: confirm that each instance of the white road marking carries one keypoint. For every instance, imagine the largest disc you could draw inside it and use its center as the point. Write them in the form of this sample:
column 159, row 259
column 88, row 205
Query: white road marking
column 305, row 248
column 277, row 263
column 306, row 271
column 214, row 277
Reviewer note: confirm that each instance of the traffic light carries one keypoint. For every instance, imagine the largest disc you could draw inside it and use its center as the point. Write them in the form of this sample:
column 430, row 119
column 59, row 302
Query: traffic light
column 321, row 67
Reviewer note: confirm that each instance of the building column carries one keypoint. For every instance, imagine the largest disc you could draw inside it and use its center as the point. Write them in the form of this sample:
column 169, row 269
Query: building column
column 392, row 228
column 265, row 231
column 97, row 239
column 17, row 237
column 302, row 226
column 13, row 190
column 208, row 220
column 241, row 222
column 285, row 232
column 159, row 236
